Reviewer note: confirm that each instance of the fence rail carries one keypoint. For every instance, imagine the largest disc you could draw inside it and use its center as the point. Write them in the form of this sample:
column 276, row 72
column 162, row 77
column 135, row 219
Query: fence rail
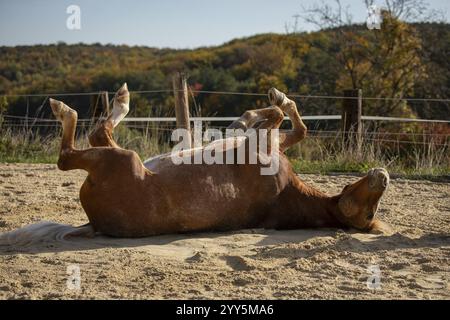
column 225, row 119
column 351, row 116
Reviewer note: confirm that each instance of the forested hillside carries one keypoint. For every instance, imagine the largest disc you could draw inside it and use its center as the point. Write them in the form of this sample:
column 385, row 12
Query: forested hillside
column 398, row 61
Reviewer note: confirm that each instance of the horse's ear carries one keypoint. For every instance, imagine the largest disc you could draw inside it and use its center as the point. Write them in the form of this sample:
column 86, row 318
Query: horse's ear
column 381, row 227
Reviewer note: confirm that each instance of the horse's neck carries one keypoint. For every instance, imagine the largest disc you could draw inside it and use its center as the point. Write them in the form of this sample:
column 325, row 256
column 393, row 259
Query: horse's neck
column 313, row 207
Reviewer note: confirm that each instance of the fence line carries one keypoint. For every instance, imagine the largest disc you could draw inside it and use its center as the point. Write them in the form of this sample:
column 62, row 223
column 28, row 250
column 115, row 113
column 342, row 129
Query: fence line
column 293, row 95
column 159, row 126
column 315, row 136
column 224, row 119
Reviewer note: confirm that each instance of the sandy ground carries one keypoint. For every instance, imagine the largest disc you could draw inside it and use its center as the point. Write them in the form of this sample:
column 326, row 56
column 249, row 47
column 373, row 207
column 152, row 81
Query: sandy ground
column 252, row 264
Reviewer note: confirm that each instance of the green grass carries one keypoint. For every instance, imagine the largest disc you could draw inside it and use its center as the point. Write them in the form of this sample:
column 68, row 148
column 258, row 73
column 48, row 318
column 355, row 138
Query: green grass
column 27, row 146
column 331, row 155
column 319, row 156
column 326, row 167
column 315, row 166
column 313, row 155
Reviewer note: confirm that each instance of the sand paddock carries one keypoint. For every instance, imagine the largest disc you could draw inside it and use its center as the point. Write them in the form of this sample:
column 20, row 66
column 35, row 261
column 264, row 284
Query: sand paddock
column 251, row 264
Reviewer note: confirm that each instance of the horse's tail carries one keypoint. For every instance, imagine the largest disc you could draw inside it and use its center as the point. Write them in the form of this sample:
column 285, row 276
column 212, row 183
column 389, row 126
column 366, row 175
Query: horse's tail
column 43, row 231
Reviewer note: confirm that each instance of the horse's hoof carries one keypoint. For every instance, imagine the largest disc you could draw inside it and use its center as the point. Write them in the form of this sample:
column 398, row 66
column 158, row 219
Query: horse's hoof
column 121, row 104
column 122, row 96
column 238, row 125
column 61, row 110
column 276, row 97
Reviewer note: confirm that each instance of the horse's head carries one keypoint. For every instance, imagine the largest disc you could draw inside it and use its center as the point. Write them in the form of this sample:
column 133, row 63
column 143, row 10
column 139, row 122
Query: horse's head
column 358, row 202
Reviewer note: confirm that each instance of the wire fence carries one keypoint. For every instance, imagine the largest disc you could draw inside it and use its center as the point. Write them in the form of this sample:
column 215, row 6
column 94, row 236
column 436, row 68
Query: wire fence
column 166, row 124
column 422, row 138
column 170, row 91
column 224, row 119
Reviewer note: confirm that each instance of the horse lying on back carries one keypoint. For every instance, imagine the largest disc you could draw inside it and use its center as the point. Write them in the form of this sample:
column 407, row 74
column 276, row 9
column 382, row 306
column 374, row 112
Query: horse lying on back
column 124, row 197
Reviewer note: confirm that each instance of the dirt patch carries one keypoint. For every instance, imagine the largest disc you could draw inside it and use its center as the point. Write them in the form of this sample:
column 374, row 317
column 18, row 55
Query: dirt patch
column 249, row 264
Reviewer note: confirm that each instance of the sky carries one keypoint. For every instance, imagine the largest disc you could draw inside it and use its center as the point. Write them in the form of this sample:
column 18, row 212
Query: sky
column 163, row 23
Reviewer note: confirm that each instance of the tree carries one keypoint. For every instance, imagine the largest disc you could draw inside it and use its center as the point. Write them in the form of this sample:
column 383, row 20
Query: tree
column 3, row 104
column 392, row 65
column 384, row 63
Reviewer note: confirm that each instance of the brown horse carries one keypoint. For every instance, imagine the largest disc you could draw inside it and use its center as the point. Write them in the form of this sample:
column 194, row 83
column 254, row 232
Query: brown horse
column 124, row 197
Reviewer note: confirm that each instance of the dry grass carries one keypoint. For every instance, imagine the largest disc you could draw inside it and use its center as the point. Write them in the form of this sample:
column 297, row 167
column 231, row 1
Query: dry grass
column 316, row 154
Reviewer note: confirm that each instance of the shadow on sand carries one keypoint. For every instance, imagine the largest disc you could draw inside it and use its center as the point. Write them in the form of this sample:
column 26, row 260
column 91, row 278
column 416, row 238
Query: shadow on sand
column 350, row 240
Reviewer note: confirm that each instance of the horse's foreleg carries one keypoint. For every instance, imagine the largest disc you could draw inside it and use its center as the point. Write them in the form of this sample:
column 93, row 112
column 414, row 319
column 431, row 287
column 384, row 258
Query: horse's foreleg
column 102, row 134
column 266, row 118
column 289, row 107
column 272, row 118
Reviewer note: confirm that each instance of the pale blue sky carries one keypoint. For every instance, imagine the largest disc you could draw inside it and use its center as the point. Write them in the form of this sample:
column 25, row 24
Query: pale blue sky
column 164, row 23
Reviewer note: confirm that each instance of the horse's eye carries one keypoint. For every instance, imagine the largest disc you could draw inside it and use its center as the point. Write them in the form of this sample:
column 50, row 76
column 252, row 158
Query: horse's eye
column 370, row 216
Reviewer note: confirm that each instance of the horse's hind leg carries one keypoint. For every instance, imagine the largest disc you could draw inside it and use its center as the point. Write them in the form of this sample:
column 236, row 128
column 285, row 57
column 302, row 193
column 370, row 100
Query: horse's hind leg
column 69, row 157
column 102, row 134
column 68, row 118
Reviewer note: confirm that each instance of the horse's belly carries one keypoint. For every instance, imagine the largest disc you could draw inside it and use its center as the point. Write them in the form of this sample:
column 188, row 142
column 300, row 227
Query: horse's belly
column 182, row 198
column 218, row 197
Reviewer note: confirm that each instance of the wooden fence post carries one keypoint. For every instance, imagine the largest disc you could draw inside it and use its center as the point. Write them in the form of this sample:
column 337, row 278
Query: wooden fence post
column 99, row 110
column 105, row 102
column 181, row 103
column 351, row 124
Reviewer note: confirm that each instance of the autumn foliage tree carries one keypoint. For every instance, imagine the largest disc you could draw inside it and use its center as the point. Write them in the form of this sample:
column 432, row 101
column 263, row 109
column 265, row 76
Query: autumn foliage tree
column 399, row 61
